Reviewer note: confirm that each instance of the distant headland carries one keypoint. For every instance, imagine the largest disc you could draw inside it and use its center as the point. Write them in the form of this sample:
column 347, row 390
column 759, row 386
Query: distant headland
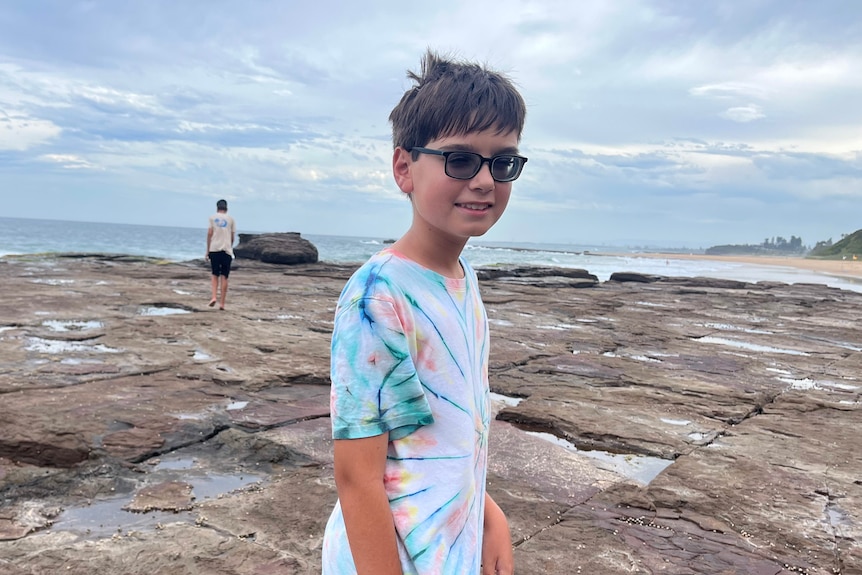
column 850, row 246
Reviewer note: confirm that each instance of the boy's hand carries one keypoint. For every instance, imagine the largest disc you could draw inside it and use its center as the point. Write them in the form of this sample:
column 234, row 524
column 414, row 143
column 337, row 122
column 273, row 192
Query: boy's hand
column 497, row 558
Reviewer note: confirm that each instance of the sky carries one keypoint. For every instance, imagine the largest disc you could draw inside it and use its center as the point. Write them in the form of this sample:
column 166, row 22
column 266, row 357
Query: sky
column 650, row 122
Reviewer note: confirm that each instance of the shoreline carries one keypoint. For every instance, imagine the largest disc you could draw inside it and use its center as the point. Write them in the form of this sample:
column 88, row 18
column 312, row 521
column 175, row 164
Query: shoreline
column 843, row 269
column 837, row 268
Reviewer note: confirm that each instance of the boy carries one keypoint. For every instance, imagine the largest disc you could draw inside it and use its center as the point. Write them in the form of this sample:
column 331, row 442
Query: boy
column 410, row 402
column 220, row 237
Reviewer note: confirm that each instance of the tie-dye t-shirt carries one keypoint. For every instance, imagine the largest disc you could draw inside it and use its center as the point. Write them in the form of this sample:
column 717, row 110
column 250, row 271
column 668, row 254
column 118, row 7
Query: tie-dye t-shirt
column 410, row 358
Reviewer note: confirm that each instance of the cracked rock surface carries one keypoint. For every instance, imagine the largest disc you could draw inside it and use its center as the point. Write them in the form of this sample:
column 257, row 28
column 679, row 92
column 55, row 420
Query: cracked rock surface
column 656, row 425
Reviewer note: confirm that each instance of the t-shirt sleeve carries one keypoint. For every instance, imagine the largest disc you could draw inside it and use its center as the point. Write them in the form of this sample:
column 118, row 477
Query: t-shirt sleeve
column 375, row 387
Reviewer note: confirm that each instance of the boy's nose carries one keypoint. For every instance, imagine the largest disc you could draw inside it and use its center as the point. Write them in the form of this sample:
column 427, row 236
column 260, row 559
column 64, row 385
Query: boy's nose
column 483, row 180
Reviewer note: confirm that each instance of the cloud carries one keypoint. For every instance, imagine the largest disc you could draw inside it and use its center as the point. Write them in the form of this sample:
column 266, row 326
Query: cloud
column 68, row 161
column 19, row 131
column 743, row 114
column 729, row 90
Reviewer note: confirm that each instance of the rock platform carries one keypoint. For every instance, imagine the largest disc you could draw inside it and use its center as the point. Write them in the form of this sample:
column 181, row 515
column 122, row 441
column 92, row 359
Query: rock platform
column 676, row 425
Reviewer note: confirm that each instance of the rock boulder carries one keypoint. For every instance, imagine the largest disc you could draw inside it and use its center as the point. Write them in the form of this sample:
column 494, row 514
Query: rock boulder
column 277, row 248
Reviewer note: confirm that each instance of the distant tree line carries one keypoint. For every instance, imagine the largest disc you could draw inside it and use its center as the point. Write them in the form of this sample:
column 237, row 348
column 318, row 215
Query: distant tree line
column 780, row 244
column 823, row 244
column 770, row 246
column 850, row 245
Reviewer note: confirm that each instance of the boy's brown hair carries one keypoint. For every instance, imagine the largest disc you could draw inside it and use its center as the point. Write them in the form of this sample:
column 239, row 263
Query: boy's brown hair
column 452, row 98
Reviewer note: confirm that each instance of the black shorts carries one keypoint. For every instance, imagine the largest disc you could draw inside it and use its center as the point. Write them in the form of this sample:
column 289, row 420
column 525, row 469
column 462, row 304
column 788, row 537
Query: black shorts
column 220, row 262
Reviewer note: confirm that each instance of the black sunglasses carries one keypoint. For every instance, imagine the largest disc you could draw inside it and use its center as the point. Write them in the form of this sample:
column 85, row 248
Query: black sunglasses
column 465, row 165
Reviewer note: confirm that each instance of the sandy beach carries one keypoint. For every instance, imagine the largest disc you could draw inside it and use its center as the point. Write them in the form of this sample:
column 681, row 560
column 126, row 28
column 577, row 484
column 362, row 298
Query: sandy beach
column 841, row 268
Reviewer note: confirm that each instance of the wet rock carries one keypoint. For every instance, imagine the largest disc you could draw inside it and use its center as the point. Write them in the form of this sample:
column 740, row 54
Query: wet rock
column 511, row 272
column 632, row 277
column 43, row 447
column 276, row 248
column 20, row 520
column 254, row 449
column 707, row 282
column 132, row 442
column 681, row 425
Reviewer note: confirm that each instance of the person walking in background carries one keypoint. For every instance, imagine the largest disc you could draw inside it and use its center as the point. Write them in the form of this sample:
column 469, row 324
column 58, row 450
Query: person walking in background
column 410, row 402
column 220, row 238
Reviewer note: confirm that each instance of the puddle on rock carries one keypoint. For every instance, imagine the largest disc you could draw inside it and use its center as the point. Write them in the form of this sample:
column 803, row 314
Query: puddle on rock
column 205, row 485
column 808, row 383
column 189, row 416
column 675, row 421
column 106, row 518
column 71, row 325
column 236, row 405
column 634, row 357
column 805, row 383
column 201, row 356
column 52, row 282
column 42, row 345
column 640, row 468
column 213, row 485
column 839, row 386
column 560, row 327
column 748, row 346
column 645, row 358
column 183, row 463
column 840, row 521
column 77, row 361
column 845, row 345
column 730, row 327
column 506, row 399
column 776, row 370
column 161, row 310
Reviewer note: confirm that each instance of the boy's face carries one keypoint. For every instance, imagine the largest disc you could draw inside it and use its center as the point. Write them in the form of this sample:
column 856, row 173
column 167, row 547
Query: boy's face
column 446, row 208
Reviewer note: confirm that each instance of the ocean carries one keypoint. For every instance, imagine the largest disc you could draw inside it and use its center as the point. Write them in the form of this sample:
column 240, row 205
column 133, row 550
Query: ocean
column 32, row 236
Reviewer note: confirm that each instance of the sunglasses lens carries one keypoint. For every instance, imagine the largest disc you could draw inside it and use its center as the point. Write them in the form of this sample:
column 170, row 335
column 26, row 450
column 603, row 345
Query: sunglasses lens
column 463, row 165
column 506, row 168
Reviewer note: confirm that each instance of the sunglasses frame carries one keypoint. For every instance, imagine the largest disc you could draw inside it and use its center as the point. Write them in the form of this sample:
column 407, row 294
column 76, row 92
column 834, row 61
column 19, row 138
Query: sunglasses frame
column 490, row 161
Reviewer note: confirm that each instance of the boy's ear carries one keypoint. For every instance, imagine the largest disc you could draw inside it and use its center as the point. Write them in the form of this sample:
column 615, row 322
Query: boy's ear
column 402, row 164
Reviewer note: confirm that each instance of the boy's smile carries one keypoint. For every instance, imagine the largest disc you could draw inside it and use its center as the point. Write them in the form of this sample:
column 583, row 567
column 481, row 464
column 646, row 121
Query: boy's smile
column 448, row 211
column 481, row 207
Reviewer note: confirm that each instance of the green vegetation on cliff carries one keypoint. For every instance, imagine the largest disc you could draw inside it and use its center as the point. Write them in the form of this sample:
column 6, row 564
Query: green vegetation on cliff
column 849, row 246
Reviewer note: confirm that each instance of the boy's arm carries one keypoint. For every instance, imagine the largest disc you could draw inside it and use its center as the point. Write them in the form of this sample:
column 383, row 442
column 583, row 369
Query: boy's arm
column 359, row 468
column 209, row 240
column 497, row 556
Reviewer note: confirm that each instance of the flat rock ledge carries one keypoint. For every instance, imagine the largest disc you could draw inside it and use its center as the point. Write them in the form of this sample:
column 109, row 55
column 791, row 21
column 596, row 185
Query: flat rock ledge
column 677, row 425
